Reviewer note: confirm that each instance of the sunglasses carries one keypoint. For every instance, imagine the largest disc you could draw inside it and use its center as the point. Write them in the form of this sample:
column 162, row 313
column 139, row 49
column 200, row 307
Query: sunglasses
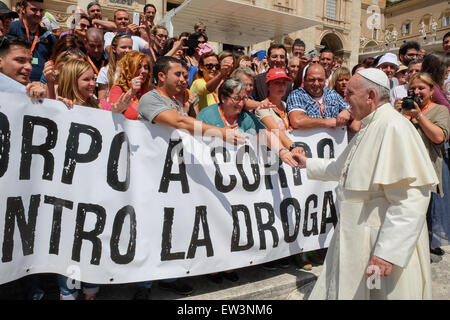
column 210, row 66
column 7, row 39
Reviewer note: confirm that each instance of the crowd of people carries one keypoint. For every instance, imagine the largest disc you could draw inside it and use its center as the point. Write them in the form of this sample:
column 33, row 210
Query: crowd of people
column 138, row 71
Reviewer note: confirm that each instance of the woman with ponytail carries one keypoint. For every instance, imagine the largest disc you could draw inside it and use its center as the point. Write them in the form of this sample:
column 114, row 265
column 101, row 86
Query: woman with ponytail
column 120, row 46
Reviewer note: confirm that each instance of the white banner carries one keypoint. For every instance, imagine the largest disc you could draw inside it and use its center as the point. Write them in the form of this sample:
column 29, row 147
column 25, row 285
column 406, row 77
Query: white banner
column 91, row 195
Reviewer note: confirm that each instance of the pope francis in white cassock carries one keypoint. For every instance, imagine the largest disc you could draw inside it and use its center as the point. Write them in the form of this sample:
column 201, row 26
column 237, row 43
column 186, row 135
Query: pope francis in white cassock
column 385, row 179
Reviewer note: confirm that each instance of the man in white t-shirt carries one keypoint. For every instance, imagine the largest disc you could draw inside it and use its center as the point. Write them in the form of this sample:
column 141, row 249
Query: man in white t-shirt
column 124, row 26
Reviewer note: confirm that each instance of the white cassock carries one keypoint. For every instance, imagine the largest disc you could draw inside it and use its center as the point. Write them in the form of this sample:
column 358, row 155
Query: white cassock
column 385, row 177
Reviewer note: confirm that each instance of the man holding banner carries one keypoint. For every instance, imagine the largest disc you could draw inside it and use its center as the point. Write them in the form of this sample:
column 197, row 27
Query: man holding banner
column 380, row 246
column 158, row 106
column 15, row 68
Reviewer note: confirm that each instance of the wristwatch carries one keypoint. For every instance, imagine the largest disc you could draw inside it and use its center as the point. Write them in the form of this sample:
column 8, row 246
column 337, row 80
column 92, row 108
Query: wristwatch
column 292, row 146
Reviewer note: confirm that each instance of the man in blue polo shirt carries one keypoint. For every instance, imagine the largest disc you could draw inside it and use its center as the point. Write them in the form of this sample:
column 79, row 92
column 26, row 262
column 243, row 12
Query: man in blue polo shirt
column 40, row 39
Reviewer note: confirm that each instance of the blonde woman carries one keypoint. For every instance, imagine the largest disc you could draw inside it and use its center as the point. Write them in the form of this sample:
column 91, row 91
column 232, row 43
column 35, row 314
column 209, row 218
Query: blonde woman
column 339, row 80
column 432, row 120
column 120, row 46
column 53, row 68
column 134, row 81
column 76, row 84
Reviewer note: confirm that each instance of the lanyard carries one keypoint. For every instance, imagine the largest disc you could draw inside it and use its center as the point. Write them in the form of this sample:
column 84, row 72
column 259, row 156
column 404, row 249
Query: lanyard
column 171, row 103
column 213, row 94
column 187, row 95
column 93, row 65
column 427, row 107
column 215, row 97
column 225, row 122
column 153, row 54
column 283, row 117
column 33, row 46
column 321, row 108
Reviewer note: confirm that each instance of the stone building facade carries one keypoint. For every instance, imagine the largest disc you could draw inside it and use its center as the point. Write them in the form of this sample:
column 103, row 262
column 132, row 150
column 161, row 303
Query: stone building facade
column 353, row 29
column 339, row 30
column 423, row 21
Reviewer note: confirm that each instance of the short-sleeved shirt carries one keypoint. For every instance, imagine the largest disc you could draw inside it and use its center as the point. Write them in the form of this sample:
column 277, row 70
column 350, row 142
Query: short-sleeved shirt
column 399, row 92
column 300, row 100
column 153, row 103
column 43, row 49
column 206, row 98
column 247, row 122
column 102, row 77
column 132, row 110
column 192, row 71
column 138, row 42
column 261, row 114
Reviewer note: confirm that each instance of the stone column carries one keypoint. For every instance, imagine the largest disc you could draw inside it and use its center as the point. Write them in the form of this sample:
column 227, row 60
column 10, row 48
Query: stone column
column 355, row 33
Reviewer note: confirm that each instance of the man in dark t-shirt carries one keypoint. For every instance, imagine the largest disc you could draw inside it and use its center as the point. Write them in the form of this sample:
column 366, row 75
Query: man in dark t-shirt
column 276, row 58
column 40, row 39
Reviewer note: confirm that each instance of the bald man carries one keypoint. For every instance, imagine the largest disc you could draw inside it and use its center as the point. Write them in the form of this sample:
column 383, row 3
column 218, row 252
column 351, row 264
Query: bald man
column 315, row 106
column 94, row 44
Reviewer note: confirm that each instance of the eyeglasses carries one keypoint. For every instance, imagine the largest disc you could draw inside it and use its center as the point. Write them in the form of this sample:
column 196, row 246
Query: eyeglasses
column 210, row 66
column 239, row 99
column 162, row 36
column 124, row 34
column 201, row 42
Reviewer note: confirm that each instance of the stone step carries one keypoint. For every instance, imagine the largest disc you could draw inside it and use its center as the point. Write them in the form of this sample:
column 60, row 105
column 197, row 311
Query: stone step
column 255, row 283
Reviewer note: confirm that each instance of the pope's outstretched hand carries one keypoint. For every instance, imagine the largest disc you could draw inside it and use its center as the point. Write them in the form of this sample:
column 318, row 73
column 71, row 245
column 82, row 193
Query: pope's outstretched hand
column 300, row 157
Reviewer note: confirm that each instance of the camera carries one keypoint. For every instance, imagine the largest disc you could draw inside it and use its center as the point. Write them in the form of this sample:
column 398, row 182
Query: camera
column 408, row 102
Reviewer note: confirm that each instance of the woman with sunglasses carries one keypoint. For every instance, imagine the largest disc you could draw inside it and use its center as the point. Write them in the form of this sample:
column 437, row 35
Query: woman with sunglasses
column 209, row 75
column 192, row 53
column 195, row 47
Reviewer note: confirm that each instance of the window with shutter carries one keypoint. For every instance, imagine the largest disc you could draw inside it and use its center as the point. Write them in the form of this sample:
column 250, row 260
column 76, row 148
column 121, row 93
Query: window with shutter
column 331, row 9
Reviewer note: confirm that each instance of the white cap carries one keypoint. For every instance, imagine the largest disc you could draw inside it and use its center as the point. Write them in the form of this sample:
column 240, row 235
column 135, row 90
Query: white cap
column 388, row 58
column 253, row 52
column 376, row 76
column 50, row 21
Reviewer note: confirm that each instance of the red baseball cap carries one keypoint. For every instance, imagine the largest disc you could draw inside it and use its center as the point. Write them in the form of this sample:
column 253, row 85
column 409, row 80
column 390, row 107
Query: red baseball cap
column 277, row 73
